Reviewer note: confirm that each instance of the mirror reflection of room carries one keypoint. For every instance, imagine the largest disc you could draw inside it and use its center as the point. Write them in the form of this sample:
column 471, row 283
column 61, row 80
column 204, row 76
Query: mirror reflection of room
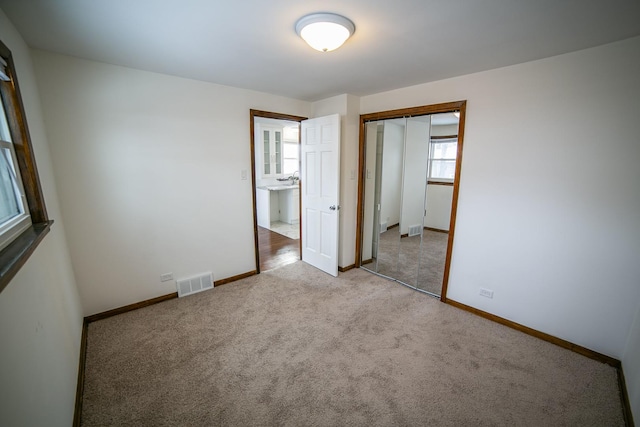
column 409, row 174
column 277, row 161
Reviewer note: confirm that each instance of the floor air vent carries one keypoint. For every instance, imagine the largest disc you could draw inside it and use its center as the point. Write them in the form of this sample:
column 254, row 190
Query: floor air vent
column 414, row 230
column 193, row 285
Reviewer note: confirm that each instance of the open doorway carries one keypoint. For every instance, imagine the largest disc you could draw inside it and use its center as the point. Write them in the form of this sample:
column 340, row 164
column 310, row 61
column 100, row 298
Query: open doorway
column 275, row 166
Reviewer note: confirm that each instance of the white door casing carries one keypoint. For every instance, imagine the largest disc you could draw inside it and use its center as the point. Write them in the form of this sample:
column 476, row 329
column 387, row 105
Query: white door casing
column 320, row 192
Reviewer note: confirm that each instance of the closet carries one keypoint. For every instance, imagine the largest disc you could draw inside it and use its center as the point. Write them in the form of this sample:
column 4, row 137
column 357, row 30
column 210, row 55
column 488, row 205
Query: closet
column 410, row 161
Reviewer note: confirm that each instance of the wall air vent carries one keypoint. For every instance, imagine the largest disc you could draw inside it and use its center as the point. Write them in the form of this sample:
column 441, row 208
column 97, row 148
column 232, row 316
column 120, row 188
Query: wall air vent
column 195, row 284
column 414, row 230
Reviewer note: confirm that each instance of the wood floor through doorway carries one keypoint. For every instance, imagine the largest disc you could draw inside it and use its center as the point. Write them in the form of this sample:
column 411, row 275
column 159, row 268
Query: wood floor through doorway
column 276, row 250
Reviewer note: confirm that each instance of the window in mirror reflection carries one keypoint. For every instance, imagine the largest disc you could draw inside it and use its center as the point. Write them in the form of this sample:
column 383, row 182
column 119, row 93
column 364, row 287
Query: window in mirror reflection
column 443, row 159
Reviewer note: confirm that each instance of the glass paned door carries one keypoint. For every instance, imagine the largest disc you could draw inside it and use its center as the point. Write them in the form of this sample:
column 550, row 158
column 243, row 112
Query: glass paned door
column 266, row 153
column 278, row 151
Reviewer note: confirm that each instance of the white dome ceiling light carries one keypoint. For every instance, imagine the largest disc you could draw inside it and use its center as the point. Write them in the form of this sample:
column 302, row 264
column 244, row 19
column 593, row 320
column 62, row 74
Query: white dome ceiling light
column 325, row 31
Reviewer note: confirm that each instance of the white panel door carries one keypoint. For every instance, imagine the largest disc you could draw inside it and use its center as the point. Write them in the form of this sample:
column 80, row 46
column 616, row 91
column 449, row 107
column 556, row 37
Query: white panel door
column 320, row 188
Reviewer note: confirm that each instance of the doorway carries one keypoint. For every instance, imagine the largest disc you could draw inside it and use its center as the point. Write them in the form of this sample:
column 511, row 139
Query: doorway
column 275, row 166
column 407, row 201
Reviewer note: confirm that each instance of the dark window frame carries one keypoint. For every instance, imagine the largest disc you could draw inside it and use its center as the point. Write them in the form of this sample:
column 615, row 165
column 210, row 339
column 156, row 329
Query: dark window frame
column 16, row 254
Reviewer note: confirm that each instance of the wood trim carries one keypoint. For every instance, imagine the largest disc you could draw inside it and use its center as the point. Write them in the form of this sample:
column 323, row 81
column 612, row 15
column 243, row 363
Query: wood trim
column 439, row 183
column 16, row 117
column 436, row 230
column 267, row 115
column 460, row 106
column 16, row 254
column 234, row 278
column 277, row 116
column 253, row 188
column 413, row 111
column 402, row 236
column 130, row 307
column 347, row 268
column 543, row 336
column 156, row 300
column 624, row 396
column 82, row 361
column 454, row 201
column 362, row 179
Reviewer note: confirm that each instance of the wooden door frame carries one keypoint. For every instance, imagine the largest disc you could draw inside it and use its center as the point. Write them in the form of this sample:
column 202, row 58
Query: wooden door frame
column 266, row 115
column 447, row 107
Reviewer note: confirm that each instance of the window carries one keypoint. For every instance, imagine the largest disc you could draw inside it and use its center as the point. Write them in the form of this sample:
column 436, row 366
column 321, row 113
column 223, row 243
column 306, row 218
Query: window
column 442, row 158
column 14, row 218
column 290, row 150
column 23, row 216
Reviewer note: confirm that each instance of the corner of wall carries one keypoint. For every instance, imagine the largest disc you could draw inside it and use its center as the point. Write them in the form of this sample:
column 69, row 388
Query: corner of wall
column 631, row 366
column 40, row 310
column 348, row 106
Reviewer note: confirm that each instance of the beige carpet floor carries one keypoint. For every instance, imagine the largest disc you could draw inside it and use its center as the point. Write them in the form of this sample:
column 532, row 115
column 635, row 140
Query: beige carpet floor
column 296, row 347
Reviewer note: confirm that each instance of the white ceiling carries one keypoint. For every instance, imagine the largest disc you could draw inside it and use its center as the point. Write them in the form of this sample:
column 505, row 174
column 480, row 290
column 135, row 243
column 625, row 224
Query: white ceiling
column 252, row 43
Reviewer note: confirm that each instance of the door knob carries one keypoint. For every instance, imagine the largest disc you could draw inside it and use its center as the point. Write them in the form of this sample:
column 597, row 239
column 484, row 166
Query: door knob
column 334, row 207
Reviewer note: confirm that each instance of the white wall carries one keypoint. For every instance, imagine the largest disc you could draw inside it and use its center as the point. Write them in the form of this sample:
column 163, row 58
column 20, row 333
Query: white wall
column 40, row 313
column 392, row 165
column 444, row 130
column 348, row 106
column 548, row 205
column 414, row 173
column 349, row 163
column 631, row 366
column 149, row 175
column 439, row 199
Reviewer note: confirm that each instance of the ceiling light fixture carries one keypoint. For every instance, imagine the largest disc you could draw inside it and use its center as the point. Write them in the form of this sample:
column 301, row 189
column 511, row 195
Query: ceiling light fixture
column 325, row 31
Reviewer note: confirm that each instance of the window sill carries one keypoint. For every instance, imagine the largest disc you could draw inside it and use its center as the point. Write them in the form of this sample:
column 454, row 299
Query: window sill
column 429, row 182
column 16, row 254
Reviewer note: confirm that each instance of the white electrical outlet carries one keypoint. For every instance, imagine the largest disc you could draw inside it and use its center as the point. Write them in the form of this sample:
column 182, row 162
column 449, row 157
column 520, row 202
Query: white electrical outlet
column 486, row 293
column 166, row 277
column 243, row 174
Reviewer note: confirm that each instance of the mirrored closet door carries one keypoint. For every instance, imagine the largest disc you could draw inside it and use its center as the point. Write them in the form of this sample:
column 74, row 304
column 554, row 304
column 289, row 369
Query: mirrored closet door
column 407, row 196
